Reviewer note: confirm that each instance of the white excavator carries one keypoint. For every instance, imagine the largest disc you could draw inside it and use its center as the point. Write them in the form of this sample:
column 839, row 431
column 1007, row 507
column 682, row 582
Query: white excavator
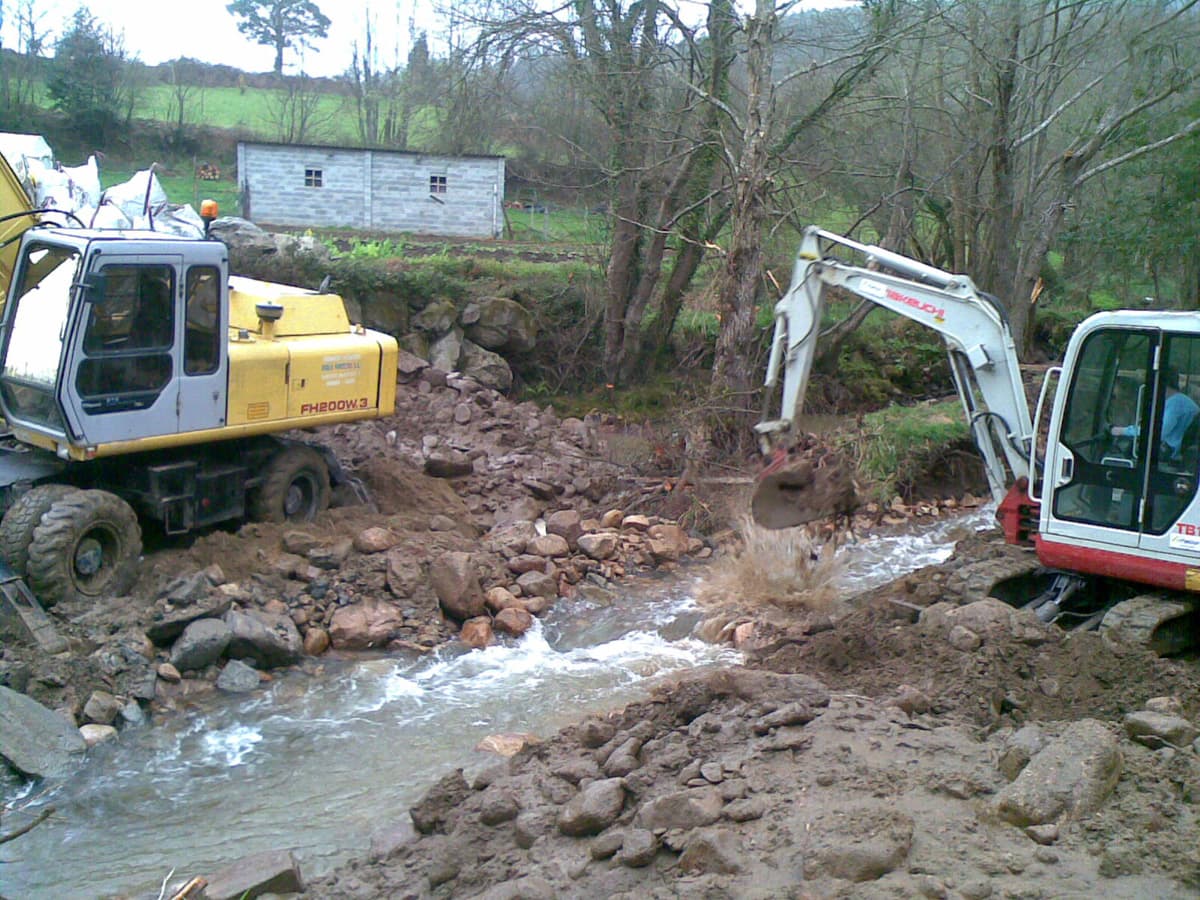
column 1101, row 482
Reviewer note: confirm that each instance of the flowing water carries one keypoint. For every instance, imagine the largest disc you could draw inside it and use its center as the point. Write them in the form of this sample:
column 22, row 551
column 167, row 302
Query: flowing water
column 319, row 763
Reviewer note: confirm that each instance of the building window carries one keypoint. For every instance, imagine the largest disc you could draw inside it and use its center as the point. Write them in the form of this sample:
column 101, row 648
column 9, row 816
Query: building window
column 313, row 177
column 437, row 184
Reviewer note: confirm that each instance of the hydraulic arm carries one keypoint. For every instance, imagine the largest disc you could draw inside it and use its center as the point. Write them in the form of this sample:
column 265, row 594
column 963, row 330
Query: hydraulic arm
column 983, row 358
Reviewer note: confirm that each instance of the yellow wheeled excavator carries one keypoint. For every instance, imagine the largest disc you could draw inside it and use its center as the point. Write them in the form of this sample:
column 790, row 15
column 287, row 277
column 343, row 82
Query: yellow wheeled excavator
column 140, row 382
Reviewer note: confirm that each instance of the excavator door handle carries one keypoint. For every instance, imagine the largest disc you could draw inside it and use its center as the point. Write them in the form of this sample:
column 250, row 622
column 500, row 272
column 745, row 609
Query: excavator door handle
column 1068, row 469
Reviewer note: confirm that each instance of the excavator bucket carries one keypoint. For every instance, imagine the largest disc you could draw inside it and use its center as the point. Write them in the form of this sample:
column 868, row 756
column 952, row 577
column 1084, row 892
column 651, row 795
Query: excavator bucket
column 795, row 491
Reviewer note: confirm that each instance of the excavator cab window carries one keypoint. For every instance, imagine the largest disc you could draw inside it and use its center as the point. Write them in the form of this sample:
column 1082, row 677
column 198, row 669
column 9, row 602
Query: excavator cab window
column 128, row 338
column 202, row 336
column 1176, row 443
column 1104, row 427
column 33, row 350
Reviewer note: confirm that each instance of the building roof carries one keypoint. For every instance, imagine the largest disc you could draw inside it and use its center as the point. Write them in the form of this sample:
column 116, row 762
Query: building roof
column 390, row 150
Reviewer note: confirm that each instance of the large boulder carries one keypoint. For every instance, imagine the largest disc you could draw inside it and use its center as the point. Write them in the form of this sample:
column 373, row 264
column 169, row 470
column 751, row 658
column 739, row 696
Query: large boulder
column 436, row 318
column 593, row 809
column 247, row 242
column 36, row 741
column 503, row 324
column 270, row 640
column 201, row 644
column 1071, row 776
column 488, row 368
column 457, row 585
column 384, row 312
column 360, row 626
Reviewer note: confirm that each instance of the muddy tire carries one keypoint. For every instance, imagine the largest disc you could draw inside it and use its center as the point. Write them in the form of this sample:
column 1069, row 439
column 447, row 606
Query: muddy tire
column 295, row 488
column 86, row 546
column 16, row 529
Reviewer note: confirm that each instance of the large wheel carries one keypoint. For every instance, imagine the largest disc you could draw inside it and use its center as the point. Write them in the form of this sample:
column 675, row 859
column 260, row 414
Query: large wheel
column 16, row 529
column 86, row 546
column 294, row 489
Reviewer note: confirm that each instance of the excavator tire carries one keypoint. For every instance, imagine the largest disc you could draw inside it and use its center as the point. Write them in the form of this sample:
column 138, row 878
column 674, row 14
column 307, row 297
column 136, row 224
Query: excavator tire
column 16, row 528
column 86, row 546
column 295, row 488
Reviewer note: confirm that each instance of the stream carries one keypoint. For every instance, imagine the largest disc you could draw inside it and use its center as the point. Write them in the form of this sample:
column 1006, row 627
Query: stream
column 318, row 764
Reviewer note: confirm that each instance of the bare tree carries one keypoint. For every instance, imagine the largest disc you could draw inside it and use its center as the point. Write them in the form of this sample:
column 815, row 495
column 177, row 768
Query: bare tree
column 295, row 110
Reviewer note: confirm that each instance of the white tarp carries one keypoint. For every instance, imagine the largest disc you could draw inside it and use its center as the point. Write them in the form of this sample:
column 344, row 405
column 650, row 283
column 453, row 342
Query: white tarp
column 139, row 203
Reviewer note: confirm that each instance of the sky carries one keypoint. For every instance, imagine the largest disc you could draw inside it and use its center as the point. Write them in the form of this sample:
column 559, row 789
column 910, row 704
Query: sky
column 203, row 29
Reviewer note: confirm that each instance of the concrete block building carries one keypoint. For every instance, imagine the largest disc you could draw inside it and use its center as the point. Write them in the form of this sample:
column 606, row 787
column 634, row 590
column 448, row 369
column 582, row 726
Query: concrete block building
column 378, row 190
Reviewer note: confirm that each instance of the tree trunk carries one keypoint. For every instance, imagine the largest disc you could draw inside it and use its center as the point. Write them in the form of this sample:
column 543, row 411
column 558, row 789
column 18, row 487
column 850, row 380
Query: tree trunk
column 741, row 276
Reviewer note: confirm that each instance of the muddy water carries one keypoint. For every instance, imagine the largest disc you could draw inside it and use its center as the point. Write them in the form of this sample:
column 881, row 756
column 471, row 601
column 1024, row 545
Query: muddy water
column 318, row 764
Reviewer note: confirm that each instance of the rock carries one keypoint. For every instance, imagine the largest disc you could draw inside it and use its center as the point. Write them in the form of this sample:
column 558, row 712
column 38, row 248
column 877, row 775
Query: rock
column 331, row 556
column 269, row 640
column 375, row 540
column 624, row 759
column 599, row 546
column 446, row 351
column 746, row 810
column 185, row 600
column 237, row 678
column 1157, row 730
column 535, row 606
column 1168, row 706
column 477, row 633
column 503, row 324
column 448, row 464
column 438, row 317
column 102, row 708
column 462, row 413
column 243, row 238
column 168, row 673
column 963, row 639
column 593, row 809
column 607, row 844
column 514, row 621
column 510, row 539
column 1071, row 775
column 506, row 744
column 528, row 887
column 567, row 524
column 389, row 839
column 693, row 808
column 1019, row 749
column 498, row 807
column 526, row 562
column 94, row 734
column 715, row 852
column 538, row 584
column 432, row 811
column 548, row 545
column 316, row 641
column 858, row 842
column 489, row 369
column 594, row 733
column 457, row 586
column 409, row 366
column 667, row 542
column 498, row 598
column 442, row 523
column 634, row 523
column 37, row 742
column 612, row 519
column 363, row 625
column 1042, row 834
column 299, row 543
column 638, row 849
column 523, row 510
column 201, row 644
column 273, row 872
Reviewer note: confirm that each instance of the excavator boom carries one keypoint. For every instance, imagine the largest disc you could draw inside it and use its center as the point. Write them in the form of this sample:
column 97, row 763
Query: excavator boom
column 983, row 358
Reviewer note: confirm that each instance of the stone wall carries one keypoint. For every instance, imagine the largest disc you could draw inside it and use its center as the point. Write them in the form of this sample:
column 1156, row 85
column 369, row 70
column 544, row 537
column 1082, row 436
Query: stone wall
column 371, row 189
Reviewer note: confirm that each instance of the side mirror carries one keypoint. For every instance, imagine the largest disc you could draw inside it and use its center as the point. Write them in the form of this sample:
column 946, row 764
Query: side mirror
column 95, row 287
